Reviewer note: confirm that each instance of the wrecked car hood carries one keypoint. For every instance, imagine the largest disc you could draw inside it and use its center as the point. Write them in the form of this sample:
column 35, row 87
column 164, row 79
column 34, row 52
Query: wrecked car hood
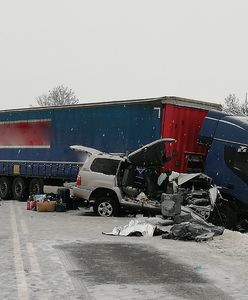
column 153, row 154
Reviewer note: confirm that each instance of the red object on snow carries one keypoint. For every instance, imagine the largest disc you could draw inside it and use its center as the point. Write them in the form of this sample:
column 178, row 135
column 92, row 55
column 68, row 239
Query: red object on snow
column 33, row 205
column 28, row 204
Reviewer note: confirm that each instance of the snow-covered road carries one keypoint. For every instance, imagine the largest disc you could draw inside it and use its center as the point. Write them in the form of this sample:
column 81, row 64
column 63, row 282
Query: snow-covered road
column 66, row 256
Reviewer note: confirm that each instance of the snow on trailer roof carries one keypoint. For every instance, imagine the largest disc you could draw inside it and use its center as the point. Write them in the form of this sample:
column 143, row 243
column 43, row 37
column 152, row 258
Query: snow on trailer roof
column 180, row 101
column 191, row 103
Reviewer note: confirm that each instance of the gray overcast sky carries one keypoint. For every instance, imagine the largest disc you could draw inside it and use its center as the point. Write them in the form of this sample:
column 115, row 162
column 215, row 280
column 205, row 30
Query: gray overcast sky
column 114, row 50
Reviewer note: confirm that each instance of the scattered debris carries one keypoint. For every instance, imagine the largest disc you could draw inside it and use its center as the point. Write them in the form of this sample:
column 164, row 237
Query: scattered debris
column 52, row 202
column 195, row 228
column 46, row 206
column 171, row 204
column 193, row 231
column 196, row 192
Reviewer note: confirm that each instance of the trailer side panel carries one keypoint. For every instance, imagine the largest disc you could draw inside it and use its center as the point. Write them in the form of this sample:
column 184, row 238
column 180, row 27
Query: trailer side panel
column 183, row 124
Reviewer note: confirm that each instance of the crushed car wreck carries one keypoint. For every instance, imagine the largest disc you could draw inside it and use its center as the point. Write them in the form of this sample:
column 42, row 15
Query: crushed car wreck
column 113, row 183
column 196, row 193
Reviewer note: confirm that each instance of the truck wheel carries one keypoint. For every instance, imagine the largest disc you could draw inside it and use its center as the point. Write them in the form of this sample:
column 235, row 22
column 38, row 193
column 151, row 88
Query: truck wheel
column 35, row 186
column 105, row 207
column 5, row 188
column 19, row 189
column 224, row 215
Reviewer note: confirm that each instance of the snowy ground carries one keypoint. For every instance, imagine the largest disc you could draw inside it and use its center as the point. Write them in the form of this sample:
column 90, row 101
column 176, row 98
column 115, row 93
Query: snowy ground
column 35, row 262
column 223, row 260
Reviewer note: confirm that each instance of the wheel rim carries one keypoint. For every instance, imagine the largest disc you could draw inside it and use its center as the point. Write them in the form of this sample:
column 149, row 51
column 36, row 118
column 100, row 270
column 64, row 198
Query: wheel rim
column 105, row 209
column 18, row 189
column 35, row 189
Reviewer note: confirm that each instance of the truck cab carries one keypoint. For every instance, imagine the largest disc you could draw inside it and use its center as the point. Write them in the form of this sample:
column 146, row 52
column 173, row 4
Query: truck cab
column 226, row 137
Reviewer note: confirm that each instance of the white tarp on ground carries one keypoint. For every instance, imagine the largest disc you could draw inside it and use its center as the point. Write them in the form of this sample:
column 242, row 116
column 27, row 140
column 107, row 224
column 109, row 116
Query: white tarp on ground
column 134, row 226
column 144, row 226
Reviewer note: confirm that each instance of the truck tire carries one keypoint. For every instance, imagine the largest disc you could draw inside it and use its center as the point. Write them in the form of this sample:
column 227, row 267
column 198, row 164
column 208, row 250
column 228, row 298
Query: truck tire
column 105, row 207
column 5, row 188
column 19, row 189
column 35, row 186
column 224, row 215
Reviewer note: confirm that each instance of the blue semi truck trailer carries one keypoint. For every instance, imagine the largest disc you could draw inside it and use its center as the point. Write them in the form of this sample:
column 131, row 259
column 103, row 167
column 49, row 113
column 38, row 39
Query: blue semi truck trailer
column 35, row 142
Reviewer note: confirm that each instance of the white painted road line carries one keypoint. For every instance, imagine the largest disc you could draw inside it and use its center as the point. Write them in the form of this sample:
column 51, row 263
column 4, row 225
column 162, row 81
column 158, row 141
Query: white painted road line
column 24, row 227
column 22, row 287
column 31, row 254
column 35, row 266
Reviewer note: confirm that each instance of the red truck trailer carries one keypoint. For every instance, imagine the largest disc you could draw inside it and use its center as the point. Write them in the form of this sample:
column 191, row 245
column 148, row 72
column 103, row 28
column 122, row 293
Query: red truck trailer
column 182, row 120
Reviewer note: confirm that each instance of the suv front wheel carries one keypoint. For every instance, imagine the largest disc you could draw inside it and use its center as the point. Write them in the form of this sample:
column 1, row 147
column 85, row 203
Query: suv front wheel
column 105, row 207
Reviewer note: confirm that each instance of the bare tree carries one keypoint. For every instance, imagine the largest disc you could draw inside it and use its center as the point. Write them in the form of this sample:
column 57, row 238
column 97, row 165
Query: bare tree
column 232, row 105
column 244, row 106
column 60, row 95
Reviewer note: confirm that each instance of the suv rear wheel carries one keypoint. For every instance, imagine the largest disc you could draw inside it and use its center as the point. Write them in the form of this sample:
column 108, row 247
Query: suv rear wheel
column 105, row 207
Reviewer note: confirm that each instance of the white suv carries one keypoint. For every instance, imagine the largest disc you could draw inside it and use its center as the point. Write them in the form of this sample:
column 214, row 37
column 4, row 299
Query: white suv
column 111, row 182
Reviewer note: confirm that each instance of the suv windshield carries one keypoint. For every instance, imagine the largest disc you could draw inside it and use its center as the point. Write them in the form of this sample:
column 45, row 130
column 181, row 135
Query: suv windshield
column 105, row 166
